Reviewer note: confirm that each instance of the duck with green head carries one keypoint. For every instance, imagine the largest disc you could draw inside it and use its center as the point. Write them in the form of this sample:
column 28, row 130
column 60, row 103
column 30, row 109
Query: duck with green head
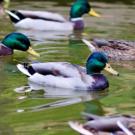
column 16, row 41
column 78, row 9
column 39, row 20
column 70, row 76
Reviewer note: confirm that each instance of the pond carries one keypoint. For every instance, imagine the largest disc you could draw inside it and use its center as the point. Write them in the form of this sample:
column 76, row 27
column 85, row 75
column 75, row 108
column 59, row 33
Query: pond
column 39, row 113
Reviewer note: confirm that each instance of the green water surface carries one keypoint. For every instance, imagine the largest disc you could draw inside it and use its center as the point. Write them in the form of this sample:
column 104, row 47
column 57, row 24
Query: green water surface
column 118, row 23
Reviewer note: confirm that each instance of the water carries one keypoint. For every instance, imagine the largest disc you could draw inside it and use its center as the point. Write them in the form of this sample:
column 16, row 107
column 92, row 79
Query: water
column 33, row 113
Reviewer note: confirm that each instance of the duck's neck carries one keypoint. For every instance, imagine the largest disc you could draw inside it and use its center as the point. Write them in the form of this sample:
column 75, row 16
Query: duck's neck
column 89, row 72
column 92, row 73
column 78, row 23
column 81, row 0
column 91, row 69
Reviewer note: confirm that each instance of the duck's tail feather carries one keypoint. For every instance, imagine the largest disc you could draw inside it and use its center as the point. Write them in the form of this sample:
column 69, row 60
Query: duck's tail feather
column 124, row 128
column 26, row 69
column 11, row 14
column 15, row 16
column 90, row 46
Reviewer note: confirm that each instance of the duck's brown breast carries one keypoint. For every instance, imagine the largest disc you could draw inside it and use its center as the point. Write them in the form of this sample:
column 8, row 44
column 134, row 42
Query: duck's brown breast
column 5, row 50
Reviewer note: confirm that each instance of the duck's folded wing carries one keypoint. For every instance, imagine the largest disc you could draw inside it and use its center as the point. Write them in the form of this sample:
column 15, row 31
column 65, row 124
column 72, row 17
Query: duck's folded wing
column 43, row 15
column 58, row 81
column 64, row 69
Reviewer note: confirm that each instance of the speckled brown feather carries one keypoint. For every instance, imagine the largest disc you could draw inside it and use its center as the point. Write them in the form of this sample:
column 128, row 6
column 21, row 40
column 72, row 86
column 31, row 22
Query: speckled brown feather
column 116, row 49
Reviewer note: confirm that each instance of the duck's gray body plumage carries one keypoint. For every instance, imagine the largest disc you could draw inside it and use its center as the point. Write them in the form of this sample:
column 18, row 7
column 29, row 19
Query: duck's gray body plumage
column 63, row 75
column 40, row 20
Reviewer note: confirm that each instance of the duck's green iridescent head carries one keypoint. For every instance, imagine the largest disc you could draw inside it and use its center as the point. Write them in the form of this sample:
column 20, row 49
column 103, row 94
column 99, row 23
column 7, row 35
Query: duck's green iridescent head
column 98, row 61
column 81, row 7
column 18, row 41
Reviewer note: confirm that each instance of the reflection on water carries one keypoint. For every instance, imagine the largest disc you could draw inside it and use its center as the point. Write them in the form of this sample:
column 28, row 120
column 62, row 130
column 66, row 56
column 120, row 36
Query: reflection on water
column 46, row 36
column 75, row 49
column 94, row 106
column 66, row 96
column 5, row 129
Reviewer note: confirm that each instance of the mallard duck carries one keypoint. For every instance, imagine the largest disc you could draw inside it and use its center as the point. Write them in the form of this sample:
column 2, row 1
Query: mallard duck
column 40, row 20
column 115, row 49
column 16, row 41
column 70, row 76
column 105, row 125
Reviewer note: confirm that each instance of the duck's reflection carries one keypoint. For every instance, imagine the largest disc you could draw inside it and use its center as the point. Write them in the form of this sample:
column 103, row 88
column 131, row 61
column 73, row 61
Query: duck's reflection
column 94, row 107
column 46, row 36
column 64, row 97
column 78, row 52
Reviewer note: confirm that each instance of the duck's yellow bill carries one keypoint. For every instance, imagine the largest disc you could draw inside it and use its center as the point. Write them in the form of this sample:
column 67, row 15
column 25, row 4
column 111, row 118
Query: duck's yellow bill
column 94, row 13
column 109, row 69
column 85, row 34
column 32, row 52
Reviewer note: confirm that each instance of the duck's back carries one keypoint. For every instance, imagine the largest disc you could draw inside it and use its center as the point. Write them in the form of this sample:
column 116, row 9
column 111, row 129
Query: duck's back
column 43, row 20
column 44, row 25
column 43, row 15
column 64, row 69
